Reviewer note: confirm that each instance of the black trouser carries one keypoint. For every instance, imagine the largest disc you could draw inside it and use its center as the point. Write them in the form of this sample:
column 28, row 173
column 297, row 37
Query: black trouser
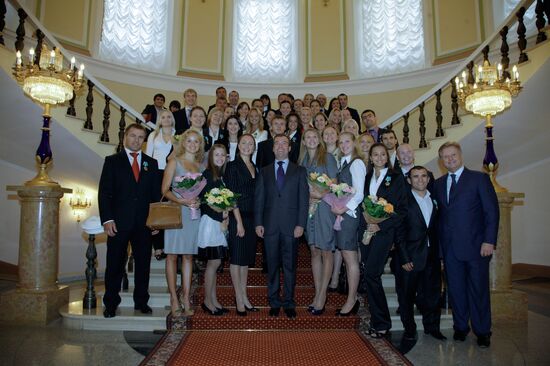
column 424, row 287
column 281, row 250
column 117, row 251
column 374, row 256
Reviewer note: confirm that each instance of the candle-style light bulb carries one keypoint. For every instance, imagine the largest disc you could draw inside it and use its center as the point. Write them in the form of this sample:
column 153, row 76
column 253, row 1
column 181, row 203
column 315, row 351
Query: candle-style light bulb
column 457, row 81
column 18, row 58
column 31, row 55
column 73, row 61
column 52, row 57
column 499, row 71
column 81, row 72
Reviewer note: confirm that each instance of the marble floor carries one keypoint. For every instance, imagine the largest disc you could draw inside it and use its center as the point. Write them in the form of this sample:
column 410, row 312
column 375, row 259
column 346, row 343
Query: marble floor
column 511, row 344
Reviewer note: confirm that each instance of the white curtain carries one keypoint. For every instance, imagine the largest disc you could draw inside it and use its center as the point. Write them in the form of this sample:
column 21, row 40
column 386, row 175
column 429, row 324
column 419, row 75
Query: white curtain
column 135, row 33
column 389, row 36
column 265, row 41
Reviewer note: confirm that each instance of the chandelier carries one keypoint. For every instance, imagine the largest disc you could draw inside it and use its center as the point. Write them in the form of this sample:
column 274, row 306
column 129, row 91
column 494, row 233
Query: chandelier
column 490, row 93
column 47, row 82
column 79, row 203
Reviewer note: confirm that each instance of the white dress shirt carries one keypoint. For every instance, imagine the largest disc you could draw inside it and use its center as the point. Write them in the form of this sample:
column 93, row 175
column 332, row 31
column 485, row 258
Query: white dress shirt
column 358, row 171
column 232, row 150
column 375, row 183
column 131, row 158
column 426, row 206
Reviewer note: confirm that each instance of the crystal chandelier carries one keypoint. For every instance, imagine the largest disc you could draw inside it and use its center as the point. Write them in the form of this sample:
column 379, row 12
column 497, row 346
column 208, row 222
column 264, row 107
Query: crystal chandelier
column 489, row 94
column 79, row 203
column 45, row 81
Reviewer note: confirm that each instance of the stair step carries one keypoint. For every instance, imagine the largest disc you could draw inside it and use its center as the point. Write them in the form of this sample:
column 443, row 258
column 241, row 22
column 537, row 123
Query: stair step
column 261, row 320
column 75, row 317
column 159, row 297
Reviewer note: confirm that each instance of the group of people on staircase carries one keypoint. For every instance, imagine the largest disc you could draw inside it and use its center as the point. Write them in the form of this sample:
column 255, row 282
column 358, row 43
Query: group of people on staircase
column 265, row 157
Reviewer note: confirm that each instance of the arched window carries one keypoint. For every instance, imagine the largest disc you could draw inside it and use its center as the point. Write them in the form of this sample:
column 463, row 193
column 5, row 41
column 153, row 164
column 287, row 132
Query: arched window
column 389, row 36
column 135, row 33
column 265, row 41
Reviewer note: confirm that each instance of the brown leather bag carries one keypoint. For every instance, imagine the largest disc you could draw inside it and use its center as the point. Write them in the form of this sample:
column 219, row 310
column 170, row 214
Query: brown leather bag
column 164, row 215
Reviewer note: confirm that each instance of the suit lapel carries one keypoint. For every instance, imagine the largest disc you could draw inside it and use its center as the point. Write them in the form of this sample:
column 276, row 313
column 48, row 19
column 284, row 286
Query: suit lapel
column 382, row 190
column 419, row 214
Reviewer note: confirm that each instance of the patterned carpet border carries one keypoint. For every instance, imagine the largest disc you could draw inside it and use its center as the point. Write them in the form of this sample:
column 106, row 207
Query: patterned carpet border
column 167, row 349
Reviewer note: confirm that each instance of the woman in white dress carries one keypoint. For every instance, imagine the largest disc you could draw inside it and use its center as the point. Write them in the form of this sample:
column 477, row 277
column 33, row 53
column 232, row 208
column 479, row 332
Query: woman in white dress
column 211, row 238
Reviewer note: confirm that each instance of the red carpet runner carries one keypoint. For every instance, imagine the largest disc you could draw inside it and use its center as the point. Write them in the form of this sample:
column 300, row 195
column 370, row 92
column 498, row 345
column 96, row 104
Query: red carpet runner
column 258, row 339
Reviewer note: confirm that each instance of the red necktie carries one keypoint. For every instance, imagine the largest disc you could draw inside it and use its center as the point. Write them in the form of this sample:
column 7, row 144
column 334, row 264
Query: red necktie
column 135, row 166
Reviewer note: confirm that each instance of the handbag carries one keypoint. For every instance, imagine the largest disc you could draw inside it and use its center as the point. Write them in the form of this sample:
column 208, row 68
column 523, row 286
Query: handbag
column 164, row 215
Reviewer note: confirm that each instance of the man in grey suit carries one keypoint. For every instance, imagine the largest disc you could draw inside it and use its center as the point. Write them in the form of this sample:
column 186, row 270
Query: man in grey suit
column 281, row 207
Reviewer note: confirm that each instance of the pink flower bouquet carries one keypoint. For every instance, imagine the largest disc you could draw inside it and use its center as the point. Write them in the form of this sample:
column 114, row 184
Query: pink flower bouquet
column 339, row 196
column 189, row 186
column 320, row 185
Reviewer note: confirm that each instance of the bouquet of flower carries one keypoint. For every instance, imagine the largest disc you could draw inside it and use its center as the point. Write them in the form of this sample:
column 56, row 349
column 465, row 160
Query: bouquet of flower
column 375, row 210
column 221, row 199
column 339, row 196
column 320, row 185
column 189, row 186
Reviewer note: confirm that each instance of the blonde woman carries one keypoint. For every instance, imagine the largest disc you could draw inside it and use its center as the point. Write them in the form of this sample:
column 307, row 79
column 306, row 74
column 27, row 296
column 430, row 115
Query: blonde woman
column 351, row 126
column 319, row 233
column 159, row 145
column 362, row 146
column 335, row 119
column 188, row 157
column 256, row 128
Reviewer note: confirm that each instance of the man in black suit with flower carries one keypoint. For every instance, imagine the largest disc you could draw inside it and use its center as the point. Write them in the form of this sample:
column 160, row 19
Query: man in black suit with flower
column 419, row 269
column 129, row 183
column 281, row 208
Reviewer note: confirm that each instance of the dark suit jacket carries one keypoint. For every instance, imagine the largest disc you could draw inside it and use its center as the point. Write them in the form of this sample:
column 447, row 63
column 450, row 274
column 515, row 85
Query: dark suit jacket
column 123, row 199
column 181, row 122
column 265, row 155
column 152, row 112
column 238, row 179
column 471, row 216
column 412, row 239
column 394, row 190
column 281, row 212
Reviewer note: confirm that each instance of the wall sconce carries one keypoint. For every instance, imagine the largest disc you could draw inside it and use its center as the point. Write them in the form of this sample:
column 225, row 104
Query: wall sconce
column 79, row 203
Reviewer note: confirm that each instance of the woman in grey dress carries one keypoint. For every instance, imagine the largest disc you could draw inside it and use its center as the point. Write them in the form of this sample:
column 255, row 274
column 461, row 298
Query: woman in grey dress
column 319, row 233
column 189, row 155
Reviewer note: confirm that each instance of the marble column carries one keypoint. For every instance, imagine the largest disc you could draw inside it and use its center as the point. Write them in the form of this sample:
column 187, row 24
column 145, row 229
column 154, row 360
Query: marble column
column 37, row 297
column 506, row 303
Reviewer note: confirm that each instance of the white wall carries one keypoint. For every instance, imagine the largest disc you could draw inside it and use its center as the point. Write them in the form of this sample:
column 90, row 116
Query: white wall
column 72, row 243
column 530, row 225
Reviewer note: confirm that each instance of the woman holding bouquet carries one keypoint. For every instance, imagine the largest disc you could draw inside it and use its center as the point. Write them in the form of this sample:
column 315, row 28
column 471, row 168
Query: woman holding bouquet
column 189, row 155
column 211, row 237
column 382, row 182
column 319, row 233
column 240, row 177
column 352, row 172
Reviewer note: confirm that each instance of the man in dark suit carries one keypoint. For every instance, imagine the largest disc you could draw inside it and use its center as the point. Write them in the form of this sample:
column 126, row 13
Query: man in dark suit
column 418, row 253
column 181, row 117
column 369, row 120
column 468, row 228
column 265, row 155
column 389, row 139
column 221, row 95
column 280, row 214
column 129, row 183
column 343, row 99
column 152, row 111
column 405, row 156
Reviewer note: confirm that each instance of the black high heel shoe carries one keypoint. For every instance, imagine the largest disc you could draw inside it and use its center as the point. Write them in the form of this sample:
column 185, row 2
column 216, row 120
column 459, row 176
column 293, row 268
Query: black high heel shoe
column 223, row 310
column 240, row 313
column 216, row 312
column 353, row 310
column 252, row 309
column 317, row 312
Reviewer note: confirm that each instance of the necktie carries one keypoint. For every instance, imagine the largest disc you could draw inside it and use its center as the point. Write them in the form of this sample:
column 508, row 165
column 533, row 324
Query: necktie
column 135, row 166
column 280, row 175
column 344, row 164
column 453, row 187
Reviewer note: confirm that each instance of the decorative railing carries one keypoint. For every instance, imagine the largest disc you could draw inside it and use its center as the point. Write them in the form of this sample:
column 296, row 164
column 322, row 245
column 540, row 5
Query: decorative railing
column 431, row 105
column 98, row 96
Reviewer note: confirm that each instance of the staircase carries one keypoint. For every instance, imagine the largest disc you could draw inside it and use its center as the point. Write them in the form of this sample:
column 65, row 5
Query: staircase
column 74, row 145
column 128, row 319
